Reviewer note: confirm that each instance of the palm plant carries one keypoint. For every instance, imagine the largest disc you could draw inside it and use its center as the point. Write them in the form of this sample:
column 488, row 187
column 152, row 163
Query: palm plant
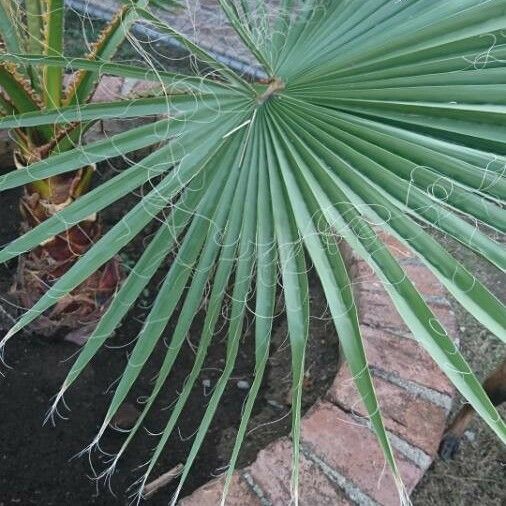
column 37, row 27
column 391, row 112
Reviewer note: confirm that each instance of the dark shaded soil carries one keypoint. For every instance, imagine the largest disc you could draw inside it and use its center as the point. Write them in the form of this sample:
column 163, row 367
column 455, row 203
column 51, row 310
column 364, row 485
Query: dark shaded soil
column 35, row 460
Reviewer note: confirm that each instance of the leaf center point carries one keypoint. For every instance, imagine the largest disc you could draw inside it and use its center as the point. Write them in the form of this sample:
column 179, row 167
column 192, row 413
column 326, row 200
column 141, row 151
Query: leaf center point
column 275, row 86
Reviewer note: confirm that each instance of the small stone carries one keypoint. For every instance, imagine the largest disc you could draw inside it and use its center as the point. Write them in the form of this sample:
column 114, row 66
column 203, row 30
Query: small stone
column 470, row 436
column 275, row 404
column 243, row 385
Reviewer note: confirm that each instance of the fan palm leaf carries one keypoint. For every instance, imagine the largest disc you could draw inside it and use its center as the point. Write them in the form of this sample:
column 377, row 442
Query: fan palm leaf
column 375, row 112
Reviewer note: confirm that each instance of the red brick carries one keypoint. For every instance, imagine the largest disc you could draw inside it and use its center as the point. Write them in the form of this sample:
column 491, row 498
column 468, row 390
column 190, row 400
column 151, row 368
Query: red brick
column 447, row 318
column 397, row 248
column 418, row 272
column 128, row 85
column 365, row 277
column 405, row 358
column 144, row 87
column 420, row 275
column 350, row 258
column 376, row 309
column 352, row 450
column 272, row 472
column 108, row 89
column 416, row 420
column 424, row 280
column 210, row 494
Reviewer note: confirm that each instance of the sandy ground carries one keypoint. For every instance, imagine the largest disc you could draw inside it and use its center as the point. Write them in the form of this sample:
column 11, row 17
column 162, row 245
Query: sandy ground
column 477, row 476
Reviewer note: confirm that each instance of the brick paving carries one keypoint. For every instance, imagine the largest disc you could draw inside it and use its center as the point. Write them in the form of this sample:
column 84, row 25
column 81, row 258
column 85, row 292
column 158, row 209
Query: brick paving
column 406, row 414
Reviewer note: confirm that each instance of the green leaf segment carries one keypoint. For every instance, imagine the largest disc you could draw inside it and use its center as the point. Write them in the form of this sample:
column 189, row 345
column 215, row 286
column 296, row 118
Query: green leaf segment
column 374, row 109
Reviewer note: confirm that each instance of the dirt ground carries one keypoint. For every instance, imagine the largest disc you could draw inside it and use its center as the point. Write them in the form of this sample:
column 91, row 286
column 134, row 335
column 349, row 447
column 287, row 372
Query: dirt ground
column 36, row 461
column 43, row 472
column 477, row 476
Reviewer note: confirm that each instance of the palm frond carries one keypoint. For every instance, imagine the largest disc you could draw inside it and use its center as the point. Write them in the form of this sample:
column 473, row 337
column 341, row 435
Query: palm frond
column 52, row 76
column 11, row 38
column 103, row 50
column 376, row 112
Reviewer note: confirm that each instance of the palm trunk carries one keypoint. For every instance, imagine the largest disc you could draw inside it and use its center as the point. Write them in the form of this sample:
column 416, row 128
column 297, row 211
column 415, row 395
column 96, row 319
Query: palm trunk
column 76, row 313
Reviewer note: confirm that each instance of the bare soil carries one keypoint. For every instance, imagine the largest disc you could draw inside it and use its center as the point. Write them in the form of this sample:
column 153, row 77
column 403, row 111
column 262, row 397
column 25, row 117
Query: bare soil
column 36, row 461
